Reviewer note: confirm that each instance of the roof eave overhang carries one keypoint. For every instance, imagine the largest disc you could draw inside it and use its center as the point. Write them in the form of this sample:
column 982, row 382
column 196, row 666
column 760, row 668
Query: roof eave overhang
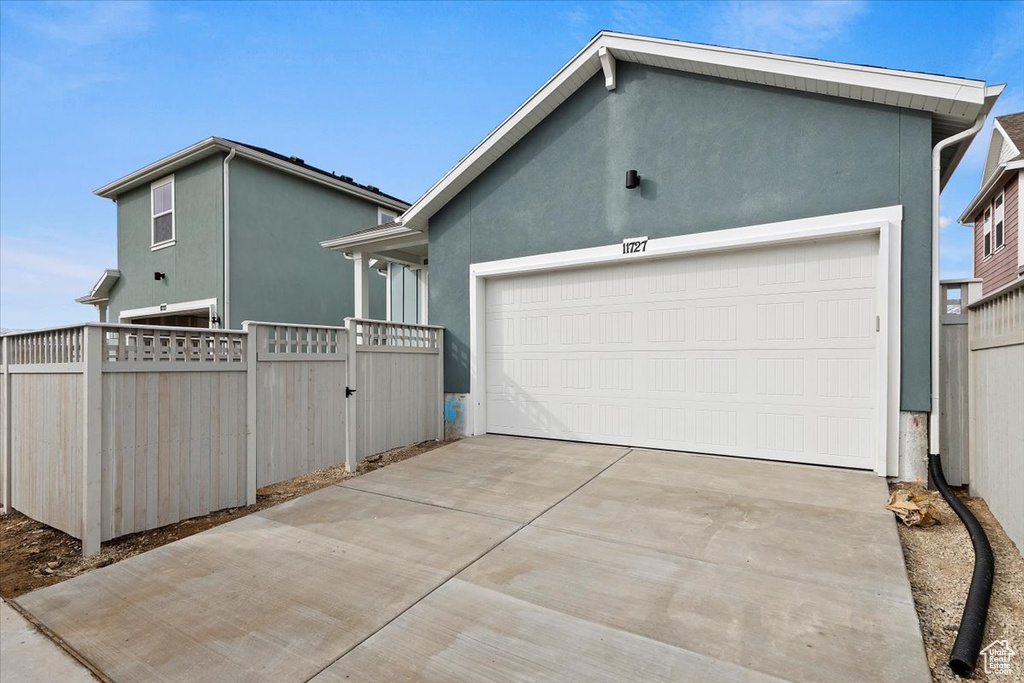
column 992, row 94
column 100, row 292
column 1002, row 172
column 381, row 239
column 214, row 145
column 957, row 100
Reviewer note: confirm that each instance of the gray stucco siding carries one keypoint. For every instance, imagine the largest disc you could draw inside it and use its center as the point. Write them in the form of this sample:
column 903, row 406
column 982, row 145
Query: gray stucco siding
column 279, row 271
column 193, row 265
column 713, row 155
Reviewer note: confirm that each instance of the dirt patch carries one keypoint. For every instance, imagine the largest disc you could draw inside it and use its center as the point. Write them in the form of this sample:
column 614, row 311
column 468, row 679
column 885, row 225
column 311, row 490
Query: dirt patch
column 940, row 560
column 33, row 555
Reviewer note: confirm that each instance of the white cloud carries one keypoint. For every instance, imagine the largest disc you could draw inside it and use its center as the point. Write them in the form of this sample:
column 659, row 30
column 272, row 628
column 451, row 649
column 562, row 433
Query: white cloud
column 945, row 222
column 1003, row 45
column 800, row 27
column 82, row 24
column 638, row 17
column 42, row 277
column 62, row 47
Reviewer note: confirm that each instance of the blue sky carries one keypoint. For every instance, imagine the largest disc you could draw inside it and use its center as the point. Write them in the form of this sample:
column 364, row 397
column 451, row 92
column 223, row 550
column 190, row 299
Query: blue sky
column 391, row 94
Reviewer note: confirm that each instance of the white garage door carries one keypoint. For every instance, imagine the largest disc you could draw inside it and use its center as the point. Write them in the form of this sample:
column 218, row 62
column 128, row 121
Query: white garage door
column 767, row 352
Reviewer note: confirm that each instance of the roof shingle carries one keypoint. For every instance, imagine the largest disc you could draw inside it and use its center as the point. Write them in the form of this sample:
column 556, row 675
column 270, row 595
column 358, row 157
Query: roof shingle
column 330, row 174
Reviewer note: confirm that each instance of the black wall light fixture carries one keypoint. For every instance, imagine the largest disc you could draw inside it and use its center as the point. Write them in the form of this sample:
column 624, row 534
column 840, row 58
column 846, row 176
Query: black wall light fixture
column 159, row 276
column 632, row 180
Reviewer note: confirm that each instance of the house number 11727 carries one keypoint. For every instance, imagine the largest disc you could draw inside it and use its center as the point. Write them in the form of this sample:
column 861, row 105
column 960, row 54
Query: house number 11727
column 634, row 245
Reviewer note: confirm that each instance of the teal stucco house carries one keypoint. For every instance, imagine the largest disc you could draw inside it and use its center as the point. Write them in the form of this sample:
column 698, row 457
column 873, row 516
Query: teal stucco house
column 222, row 232
column 698, row 248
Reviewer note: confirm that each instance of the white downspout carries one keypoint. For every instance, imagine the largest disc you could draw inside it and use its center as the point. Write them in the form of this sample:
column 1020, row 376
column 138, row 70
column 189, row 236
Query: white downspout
column 225, row 321
column 933, row 417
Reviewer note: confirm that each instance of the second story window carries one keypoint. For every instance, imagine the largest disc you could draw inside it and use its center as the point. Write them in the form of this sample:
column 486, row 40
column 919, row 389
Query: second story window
column 162, row 205
column 998, row 216
column 385, row 216
column 986, row 231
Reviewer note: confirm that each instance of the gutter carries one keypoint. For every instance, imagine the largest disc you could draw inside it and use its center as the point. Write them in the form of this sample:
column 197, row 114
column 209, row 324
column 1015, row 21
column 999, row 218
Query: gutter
column 992, row 93
column 226, row 313
column 933, row 416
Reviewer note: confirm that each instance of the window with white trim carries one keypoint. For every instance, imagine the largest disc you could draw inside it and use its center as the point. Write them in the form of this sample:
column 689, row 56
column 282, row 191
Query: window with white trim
column 986, row 231
column 998, row 214
column 161, row 201
column 404, row 293
column 385, row 216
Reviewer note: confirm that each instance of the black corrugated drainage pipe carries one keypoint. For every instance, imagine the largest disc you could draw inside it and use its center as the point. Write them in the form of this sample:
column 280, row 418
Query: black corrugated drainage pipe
column 964, row 655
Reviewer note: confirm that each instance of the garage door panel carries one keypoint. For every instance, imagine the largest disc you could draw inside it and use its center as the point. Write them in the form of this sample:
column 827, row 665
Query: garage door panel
column 814, row 320
column 844, row 437
column 762, row 352
column 831, row 377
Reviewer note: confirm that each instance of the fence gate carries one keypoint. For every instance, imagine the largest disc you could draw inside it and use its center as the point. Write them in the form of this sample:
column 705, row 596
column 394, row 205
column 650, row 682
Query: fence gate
column 954, row 397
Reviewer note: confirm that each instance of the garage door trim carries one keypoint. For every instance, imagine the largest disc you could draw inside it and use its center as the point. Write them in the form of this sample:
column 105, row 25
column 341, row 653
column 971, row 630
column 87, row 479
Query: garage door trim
column 885, row 222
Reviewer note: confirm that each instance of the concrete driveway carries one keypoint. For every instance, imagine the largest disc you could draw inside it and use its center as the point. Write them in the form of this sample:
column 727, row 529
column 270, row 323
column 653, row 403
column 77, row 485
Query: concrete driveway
column 499, row 558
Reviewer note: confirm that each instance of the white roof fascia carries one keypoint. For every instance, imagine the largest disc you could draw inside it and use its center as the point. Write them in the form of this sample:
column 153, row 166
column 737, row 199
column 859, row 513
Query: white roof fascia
column 992, row 94
column 211, row 145
column 994, row 181
column 371, row 240
column 1006, row 138
column 100, row 291
column 961, row 98
column 159, row 168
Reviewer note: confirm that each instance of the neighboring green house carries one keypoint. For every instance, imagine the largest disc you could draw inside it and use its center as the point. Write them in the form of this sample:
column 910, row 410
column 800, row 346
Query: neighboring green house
column 222, row 232
column 698, row 248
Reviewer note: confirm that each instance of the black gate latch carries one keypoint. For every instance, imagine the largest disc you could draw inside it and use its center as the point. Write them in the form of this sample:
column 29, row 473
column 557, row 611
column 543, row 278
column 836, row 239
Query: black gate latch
column 349, row 392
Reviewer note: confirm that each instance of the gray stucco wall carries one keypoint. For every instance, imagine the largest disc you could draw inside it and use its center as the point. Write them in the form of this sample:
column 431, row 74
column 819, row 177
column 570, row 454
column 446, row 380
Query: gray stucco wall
column 279, row 271
column 713, row 154
column 193, row 264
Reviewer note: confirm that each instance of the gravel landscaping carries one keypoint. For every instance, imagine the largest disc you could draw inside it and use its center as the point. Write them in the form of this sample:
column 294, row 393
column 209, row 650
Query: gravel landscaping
column 940, row 560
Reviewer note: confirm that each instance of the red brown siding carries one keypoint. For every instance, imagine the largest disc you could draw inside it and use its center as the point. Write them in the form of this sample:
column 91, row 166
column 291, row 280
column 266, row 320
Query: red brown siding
column 1001, row 268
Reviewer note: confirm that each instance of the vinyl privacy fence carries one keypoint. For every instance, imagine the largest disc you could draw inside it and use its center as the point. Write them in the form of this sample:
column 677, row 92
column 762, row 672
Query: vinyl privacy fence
column 982, row 355
column 108, row 430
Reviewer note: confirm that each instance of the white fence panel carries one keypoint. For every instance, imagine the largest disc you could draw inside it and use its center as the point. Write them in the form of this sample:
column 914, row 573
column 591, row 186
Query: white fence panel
column 301, row 375
column 108, row 430
column 997, row 411
column 398, row 388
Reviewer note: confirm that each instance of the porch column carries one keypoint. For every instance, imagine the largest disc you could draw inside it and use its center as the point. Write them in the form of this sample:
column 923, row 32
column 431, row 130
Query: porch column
column 361, row 291
column 102, row 309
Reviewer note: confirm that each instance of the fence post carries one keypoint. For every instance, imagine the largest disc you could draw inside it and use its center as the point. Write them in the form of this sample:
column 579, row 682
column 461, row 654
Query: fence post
column 251, row 410
column 440, row 385
column 351, row 412
column 5, row 430
column 92, row 424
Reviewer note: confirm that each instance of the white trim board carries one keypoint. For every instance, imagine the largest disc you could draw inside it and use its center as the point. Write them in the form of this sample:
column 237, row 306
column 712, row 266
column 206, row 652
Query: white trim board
column 886, row 222
column 954, row 102
column 212, row 145
column 169, row 309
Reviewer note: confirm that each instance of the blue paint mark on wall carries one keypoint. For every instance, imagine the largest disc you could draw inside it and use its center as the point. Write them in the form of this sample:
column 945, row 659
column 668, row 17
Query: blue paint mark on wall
column 454, row 416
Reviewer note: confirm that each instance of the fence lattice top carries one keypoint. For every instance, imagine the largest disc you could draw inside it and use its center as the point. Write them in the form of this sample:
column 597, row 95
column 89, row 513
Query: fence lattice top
column 135, row 344
column 45, row 347
column 383, row 333
column 297, row 341
column 127, row 343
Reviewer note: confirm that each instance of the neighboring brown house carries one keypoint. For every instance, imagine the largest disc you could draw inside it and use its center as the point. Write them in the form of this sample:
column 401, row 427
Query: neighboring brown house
column 995, row 211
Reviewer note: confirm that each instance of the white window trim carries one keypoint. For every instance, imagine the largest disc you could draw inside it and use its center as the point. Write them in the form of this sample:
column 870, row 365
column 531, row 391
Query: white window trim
column 380, row 214
column 986, row 230
column 153, row 245
column 1020, row 222
column 421, row 292
column 210, row 305
column 1001, row 197
column 886, row 222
